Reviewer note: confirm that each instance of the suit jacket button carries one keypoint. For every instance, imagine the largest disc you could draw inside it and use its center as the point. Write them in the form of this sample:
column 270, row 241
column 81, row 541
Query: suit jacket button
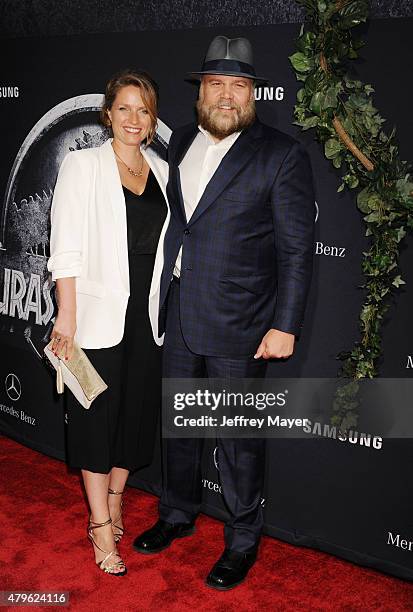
column 186, row 232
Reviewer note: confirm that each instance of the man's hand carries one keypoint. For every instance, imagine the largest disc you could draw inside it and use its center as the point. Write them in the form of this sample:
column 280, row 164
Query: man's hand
column 275, row 343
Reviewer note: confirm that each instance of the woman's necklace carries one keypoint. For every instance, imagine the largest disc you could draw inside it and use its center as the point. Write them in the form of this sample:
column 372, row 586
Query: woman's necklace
column 131, row 170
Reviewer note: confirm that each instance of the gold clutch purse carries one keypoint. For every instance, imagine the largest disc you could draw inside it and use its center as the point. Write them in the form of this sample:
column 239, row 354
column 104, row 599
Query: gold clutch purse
column 78, row 374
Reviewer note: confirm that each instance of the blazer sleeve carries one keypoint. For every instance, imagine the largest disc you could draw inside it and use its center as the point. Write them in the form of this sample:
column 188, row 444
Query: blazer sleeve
column 292, row 199
column 68, row 214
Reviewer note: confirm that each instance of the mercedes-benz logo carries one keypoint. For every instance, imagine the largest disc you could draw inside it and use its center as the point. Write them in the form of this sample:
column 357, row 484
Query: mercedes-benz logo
column 215, row 455
column 13, row 387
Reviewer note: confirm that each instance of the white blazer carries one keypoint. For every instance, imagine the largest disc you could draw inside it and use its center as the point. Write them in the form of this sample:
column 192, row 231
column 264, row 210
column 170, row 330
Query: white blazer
column 89, row 241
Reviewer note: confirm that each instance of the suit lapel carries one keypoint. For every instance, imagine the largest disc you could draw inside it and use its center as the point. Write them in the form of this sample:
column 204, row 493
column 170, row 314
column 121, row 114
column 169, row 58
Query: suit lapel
column 238, row 156
column 174, row 178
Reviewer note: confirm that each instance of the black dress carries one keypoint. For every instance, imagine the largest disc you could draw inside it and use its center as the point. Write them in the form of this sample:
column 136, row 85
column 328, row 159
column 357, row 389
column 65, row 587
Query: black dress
column 119, row 428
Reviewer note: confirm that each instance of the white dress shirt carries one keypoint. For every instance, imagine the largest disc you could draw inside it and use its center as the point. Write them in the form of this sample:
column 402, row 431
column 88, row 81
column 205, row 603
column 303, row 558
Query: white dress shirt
column 196, row 170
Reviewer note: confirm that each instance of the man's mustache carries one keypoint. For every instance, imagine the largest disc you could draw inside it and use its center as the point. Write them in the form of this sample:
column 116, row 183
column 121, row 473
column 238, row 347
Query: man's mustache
column 225, row 104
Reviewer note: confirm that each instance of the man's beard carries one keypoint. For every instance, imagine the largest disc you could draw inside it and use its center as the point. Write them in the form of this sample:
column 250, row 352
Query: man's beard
column 221, row 124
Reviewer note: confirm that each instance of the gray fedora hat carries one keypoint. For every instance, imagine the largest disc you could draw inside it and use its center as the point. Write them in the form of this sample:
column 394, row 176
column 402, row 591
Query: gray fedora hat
column 229, row 56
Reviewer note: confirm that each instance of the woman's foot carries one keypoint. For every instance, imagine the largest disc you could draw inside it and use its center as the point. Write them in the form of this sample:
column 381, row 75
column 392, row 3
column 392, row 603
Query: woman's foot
column 106, row 554
column 115, row 503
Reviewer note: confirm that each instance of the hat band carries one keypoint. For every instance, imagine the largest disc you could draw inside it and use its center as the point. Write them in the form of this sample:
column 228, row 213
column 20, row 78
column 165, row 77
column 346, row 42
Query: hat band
column 228, row 65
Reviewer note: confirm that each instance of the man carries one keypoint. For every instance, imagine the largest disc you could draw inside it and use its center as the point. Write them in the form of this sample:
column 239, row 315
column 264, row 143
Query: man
column 237, row 268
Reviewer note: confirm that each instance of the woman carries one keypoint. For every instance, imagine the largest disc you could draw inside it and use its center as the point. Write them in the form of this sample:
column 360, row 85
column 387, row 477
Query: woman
column 109, row 211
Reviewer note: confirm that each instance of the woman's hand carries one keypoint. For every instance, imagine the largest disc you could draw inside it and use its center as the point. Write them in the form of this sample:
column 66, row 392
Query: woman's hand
column 63, row 333
column 65, row 325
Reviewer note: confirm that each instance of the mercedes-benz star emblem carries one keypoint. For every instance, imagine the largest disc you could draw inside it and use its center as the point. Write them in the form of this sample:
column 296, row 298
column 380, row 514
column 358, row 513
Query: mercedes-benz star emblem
column 13, row 387
column 215, row 456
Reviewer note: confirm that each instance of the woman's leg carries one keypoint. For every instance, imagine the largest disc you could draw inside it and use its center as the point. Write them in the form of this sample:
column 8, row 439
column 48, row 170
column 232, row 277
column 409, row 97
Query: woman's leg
column 117, row 482
column 96, row 486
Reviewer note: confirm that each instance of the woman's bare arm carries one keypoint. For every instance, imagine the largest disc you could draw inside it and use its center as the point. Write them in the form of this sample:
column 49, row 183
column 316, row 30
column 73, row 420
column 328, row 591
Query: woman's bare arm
column 65, row 325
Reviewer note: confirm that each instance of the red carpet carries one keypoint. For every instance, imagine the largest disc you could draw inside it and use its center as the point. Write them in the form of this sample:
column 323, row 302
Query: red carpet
column 44, row 547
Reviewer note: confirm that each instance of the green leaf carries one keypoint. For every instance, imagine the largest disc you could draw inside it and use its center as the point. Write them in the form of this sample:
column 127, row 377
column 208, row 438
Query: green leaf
column 316, row 102
column 314, row 82
column 352, row 181
column 349, row 127
column 363, row 200
column 305, row 42
column 332, row 148
column 350, row 83
column 359, row 101
column 341, row 188
column 397, row 281
column 300, row 94
column 367, row 200
column 404, row 189
column 310, row 122
column 301, row 62
column 330, row 98
column 353, row 14
column 372, row 123
column 373, row 217
column 401, row 233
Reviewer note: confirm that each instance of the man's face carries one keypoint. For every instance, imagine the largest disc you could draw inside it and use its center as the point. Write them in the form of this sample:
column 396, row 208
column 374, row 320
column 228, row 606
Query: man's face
column 226, row 104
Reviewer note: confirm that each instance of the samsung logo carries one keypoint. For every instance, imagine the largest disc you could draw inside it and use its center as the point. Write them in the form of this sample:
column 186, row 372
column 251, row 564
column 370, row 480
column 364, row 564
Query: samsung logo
column 9, row 92
column 269, row 93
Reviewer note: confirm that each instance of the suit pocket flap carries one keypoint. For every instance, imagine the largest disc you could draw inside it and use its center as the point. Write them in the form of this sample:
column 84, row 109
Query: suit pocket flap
column 89, row 287
column 254, row 284
column 240, row 197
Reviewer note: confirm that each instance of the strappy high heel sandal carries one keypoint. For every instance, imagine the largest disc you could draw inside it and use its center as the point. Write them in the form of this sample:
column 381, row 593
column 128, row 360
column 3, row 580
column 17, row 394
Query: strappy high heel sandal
column 104, row 566
column 119, row 530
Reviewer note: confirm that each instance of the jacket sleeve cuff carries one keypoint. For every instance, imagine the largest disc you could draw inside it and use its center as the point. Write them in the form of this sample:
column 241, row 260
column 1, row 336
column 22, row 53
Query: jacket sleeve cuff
column 64, row 265
column 65, row 273
column 285, row 324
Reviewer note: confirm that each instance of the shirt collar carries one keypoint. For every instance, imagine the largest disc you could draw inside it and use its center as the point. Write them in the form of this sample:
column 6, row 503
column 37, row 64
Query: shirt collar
column 225, row 143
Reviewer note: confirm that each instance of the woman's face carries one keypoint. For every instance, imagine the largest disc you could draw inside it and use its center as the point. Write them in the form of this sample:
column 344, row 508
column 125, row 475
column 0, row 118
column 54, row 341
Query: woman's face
column 129, row 116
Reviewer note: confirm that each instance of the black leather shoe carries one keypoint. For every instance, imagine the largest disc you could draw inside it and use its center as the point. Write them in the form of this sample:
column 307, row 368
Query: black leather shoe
column 230, row 569
column 161, row 535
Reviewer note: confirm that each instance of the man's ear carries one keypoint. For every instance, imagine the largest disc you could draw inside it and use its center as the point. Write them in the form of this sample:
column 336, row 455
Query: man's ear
column 200, row 89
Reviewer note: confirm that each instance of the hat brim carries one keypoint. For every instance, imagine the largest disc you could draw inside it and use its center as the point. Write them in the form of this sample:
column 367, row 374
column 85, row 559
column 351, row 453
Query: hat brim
column 197, row 75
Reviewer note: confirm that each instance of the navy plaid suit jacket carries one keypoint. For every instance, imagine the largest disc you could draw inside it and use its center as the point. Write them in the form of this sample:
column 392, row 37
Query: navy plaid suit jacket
column 248, row 247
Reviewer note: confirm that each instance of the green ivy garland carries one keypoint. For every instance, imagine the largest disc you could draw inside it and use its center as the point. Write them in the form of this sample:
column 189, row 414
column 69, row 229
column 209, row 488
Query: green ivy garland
column 349, row 127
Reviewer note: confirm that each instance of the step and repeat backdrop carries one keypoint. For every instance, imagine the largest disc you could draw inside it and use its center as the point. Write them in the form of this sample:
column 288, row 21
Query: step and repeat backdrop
column 338, row 495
